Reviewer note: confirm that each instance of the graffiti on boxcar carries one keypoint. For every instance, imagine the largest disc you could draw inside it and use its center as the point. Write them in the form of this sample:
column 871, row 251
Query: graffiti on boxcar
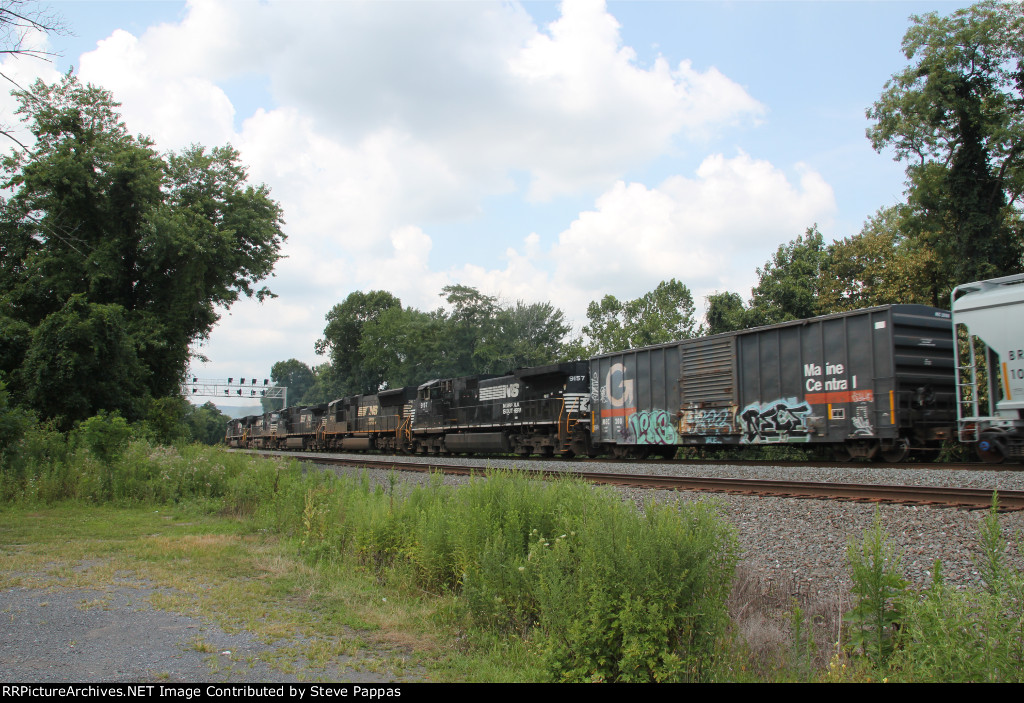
column 781, row 420
column 617, row 391
column 707, row 421
column 651, row 427
column 862, row 422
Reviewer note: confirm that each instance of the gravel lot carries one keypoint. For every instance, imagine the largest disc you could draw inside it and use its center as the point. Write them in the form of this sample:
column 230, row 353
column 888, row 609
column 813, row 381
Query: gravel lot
column 51, row 635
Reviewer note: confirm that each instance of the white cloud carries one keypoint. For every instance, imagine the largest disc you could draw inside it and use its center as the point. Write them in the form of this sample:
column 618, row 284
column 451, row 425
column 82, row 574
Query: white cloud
column 710, row 231
column 476, row 84
column 384, row 122
column 176, row 108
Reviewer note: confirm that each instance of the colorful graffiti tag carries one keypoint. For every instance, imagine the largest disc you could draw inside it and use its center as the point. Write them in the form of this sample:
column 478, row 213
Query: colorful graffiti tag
column 708, row 421
column 781, row 420
column 651, row 427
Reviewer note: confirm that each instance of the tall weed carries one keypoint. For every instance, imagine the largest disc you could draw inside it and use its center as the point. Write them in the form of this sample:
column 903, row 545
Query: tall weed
column 877, row 588
column 976, row 635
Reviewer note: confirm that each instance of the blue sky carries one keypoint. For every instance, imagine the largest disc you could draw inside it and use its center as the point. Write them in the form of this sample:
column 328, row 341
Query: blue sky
column 538, row 151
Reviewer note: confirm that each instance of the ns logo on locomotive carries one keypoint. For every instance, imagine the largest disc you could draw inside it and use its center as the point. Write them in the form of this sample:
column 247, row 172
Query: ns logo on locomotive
column 888, row 382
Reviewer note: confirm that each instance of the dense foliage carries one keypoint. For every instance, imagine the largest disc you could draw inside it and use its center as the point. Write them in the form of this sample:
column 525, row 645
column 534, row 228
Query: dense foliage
column 113, row 258
column 663, row 315
column 373, row 342
column 956, row 115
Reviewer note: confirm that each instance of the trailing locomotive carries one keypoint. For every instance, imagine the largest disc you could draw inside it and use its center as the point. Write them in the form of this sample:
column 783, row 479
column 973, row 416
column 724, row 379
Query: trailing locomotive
column 878, row 382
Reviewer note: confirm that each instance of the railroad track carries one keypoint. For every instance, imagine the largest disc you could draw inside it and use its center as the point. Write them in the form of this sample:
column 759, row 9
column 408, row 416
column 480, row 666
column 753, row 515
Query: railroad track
column 963, row 498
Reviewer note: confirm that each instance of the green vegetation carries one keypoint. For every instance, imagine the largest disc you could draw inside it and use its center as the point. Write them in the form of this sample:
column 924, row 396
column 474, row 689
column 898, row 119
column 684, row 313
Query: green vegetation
column 877, row 587
column 507, row 560
column 115, row 258
column 500, row 579
column 941, row 633
column 373, row 342
column 663, row 315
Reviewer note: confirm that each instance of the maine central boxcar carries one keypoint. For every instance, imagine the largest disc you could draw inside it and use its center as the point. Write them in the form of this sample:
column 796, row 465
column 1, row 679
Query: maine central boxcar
column 877, row 380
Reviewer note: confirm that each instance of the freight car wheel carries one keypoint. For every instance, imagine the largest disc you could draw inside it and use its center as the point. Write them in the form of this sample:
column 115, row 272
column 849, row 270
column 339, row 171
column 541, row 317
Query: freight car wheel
column 897, row 452
column 859, row 449
column 990, row 448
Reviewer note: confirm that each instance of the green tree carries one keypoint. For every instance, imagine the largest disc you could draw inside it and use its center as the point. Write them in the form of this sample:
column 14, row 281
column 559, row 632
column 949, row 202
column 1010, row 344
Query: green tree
column 83, row 357
column 102, row 235
column 956, row 116
column 472, row 328
column 326, row 385
column 789, row 284
column 525, row 334
column 726, row 313
column 343, row 336
column 296, row 376
column 881, row 265
column 206, row 423
column 410, row 347
column 662, row 315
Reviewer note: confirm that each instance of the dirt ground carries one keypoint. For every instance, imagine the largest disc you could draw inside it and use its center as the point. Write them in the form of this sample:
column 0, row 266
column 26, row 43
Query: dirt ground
column 50, row 635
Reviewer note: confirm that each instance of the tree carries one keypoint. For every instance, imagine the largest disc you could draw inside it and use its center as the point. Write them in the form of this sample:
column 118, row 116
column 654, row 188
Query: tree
column 83, row 359
column 526, row 334
column 102, row 232
column 662, row 315
column 18, row 20
column 343, row 336
column 326, row 385
column 956, row 115
column 293, row 374
column 726, row 313
column 881, row 265
column 472, row 327
column 206, row 423
column 789, row 284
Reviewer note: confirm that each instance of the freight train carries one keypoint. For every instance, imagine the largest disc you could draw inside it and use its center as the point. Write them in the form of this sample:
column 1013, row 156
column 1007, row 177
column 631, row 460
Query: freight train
column 886, row 382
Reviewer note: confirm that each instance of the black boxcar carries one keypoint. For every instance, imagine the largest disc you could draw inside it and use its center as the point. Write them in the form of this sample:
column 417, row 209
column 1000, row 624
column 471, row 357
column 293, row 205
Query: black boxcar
column 867, row 381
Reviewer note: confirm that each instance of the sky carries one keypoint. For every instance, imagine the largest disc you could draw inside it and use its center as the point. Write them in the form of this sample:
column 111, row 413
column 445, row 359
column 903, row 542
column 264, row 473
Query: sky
column 538, row 151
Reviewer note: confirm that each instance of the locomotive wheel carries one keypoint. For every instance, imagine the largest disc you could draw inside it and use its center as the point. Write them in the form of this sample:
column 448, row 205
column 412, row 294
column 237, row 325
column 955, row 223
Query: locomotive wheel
column 990, row 448
column 899, row 451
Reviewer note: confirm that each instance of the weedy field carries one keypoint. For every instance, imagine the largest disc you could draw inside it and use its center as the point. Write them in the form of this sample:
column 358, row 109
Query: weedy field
column 504, row 579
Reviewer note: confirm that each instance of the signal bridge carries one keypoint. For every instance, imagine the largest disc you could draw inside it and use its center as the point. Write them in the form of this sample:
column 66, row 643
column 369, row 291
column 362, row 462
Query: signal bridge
column 195, row 387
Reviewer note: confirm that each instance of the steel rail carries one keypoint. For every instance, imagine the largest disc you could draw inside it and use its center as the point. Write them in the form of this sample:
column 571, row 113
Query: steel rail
column 965, row 498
